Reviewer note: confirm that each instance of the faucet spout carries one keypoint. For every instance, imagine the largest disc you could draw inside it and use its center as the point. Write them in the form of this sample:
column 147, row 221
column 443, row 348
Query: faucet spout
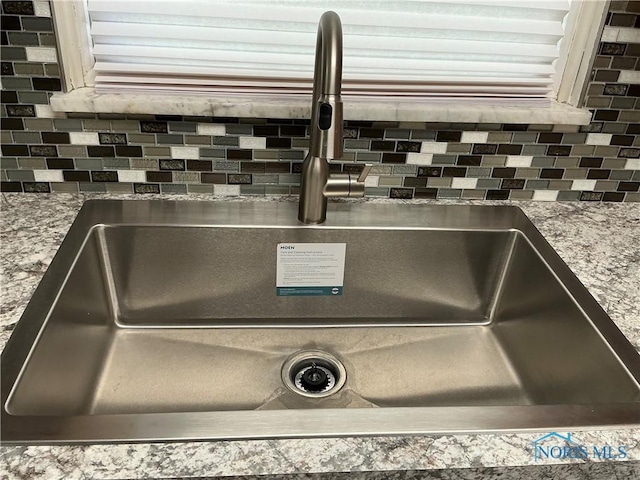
column 326, row 106
column 325, row 142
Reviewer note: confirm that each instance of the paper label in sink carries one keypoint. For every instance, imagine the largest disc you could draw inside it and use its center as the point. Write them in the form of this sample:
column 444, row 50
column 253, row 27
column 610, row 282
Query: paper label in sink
column 310, row 269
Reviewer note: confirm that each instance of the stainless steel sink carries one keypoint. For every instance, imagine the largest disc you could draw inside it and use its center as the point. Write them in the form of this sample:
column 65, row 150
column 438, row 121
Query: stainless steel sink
column 159, row 320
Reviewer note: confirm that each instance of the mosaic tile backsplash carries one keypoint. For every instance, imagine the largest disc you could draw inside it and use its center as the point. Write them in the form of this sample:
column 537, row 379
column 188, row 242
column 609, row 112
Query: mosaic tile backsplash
column 45, row 151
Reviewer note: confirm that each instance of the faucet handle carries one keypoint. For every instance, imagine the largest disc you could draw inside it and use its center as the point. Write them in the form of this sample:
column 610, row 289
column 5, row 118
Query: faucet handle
column 365, row 172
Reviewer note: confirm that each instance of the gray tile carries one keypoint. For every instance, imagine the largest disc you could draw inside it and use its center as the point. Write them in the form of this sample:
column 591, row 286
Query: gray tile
column 88, row 163
column 225, row 141
column 144, row 164
column 568, row 195
column 182, row 127
column 20, row 175
column 478, row 172
column 276, row 190
column 405, row 169
column 113, row 163
column 614, row 163
column 537, row 184
column 351, row 144
column 524, row 137
column 32, row 163
column 47, row 39
column 381, row 170
column 290, row 155
column 260, row 179
column 535, row 150
column 376, row 192
column 64, row 187
column 423, row 135
column 488, row 183
column 252, row 190
column 574, row 138
column 212, row 153
column 222, row 166
column 443, row 159
column 398, row 133
column 449, row 193
column 199, row 188
column 39, row 124
column 120, row 187
column 169, row 139
column 68, row 124
column 289, row 179
column 622, row 174
column 26, row 137
column 176, row 188
column 95, row 125
column 236, row 129
column 8, row 163
column 160, row 152
column 92, row 187
column 13, row 53
column 142, row 138
column 16, row 83
column 24, row 39
column 29, row 69
column 126, row 126
column 35, row 98
column 72, row 151
column 186, row 177
column 521, row 195
column 474, row 194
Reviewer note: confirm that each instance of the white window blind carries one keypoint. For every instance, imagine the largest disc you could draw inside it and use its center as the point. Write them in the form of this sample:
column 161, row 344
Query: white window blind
column 403, row 48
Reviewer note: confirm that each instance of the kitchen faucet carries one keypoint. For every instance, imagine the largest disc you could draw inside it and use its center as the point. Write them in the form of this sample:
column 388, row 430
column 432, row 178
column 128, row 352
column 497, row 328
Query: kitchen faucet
column 316, row 184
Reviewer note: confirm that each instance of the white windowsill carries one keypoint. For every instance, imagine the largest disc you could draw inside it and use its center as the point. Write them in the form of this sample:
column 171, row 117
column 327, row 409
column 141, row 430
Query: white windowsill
column 86, row 100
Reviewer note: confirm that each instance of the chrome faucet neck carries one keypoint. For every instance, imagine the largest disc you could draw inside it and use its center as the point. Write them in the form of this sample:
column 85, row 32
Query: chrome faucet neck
column 327, row 85
column 325, row 142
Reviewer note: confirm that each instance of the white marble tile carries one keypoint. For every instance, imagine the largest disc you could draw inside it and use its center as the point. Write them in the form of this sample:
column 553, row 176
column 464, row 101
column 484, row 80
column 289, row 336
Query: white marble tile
column 215, row 129
column 253, row 142
column 45, row 111
column 41, row 9
column 519, row 161
column 226, row 190
column 465, row 183
column 86, row 100
column 132, row 176
column 474, row 137
column 41, row 54
column 632, row 164
column 433, row 147
column 598, row 139
column 48, row 175
column 629, row 35
column 545, row 195
column 84, row 138
column 587, row 185
column 419, row 158
column 190, row 153
column 371, row 181
column 629, row 76
column 609, row 34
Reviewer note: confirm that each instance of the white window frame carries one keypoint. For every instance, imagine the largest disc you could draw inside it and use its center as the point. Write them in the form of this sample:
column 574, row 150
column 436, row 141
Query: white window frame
column 577, row 54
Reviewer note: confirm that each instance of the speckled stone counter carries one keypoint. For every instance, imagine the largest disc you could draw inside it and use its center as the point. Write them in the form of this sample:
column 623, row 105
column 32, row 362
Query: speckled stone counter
column 599, row 241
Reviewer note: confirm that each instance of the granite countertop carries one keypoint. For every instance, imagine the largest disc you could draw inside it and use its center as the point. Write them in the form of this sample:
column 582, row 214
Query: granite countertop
column 600, row 241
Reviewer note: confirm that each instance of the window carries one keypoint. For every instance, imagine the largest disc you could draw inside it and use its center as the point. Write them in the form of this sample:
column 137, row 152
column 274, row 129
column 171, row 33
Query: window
column 490, row 50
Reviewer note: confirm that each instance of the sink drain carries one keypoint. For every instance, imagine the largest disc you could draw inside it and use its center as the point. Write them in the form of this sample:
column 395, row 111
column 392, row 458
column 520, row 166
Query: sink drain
column 313, row 373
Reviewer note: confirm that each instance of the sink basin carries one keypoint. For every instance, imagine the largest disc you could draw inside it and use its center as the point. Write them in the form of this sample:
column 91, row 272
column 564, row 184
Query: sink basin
column 162, row 321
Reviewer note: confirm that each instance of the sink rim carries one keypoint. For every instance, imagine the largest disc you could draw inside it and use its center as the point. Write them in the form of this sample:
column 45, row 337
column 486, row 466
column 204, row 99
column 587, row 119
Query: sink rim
column 299, row 423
